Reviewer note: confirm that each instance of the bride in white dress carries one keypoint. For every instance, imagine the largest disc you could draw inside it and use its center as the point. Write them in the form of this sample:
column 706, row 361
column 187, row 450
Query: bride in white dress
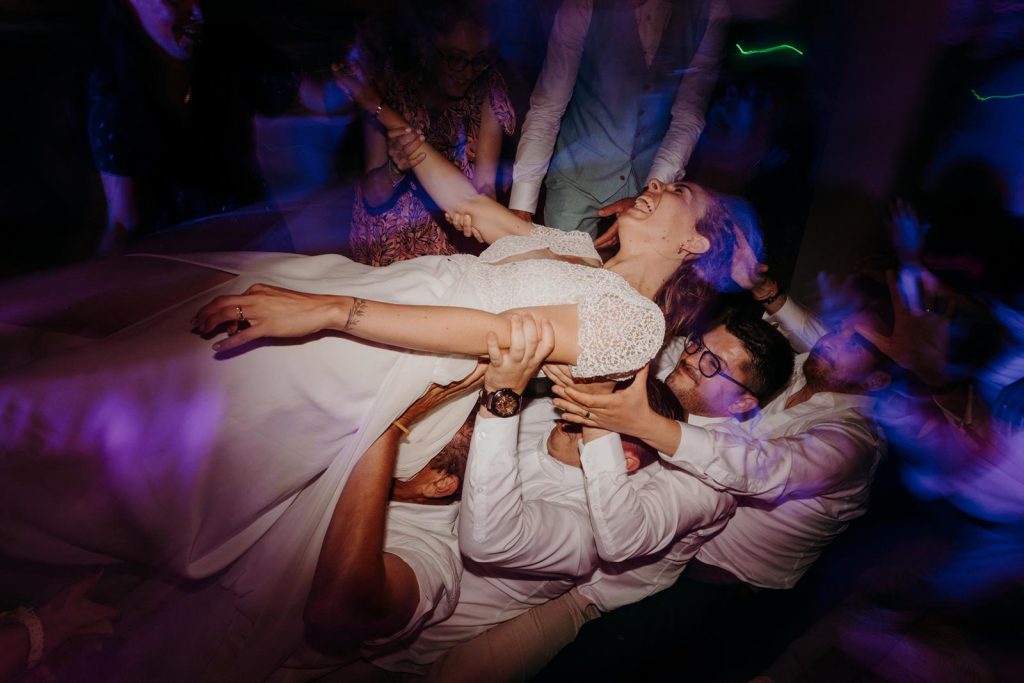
column 147, row 446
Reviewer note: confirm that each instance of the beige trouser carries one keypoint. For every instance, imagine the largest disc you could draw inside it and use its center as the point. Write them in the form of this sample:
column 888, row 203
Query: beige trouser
column 519, row 648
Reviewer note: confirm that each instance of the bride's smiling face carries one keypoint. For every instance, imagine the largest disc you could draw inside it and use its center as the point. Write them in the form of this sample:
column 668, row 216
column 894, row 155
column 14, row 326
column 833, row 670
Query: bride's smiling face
column 665, row 217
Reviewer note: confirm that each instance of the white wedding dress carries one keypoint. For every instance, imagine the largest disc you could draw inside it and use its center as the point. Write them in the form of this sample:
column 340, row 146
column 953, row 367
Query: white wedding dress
column 148, row 447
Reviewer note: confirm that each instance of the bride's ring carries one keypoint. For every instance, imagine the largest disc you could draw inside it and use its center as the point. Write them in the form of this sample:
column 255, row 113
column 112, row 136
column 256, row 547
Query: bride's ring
column 241, row 316
column 586, row 415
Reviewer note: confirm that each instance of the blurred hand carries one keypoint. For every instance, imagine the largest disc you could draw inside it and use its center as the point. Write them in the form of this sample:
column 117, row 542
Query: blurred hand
column 747, row 272
column 919, row 342
column 351, row 75
column 906, row 231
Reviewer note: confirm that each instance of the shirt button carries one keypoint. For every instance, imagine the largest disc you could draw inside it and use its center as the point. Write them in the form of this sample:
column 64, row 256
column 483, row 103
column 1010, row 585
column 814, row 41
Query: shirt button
column 632, row 157
column 622, row 177
column 641, row 113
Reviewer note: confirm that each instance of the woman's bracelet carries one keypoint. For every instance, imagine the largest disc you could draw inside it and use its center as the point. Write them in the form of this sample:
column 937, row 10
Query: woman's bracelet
column 401, row 427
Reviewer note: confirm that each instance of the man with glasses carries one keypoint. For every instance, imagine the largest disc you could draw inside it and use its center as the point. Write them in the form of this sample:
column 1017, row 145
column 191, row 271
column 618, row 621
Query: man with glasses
column 800, row 467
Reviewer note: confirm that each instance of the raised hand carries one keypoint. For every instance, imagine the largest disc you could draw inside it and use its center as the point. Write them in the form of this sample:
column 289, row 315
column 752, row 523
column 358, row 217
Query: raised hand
column 351, row 75
column 747, row 270
column 906, row 231
column 920, row 337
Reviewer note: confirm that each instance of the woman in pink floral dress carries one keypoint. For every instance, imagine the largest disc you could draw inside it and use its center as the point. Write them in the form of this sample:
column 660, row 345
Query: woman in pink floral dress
column 461, row 105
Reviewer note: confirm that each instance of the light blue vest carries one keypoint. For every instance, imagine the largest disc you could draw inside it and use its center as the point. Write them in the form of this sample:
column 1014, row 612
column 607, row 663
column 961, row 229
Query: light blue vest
column 620, row 107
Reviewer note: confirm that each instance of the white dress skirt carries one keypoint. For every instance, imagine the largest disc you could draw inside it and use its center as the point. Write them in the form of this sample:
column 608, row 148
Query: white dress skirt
column 149, row 447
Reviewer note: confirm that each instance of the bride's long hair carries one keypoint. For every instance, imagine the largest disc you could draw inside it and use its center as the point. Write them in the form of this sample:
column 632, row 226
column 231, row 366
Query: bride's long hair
column 689, row 295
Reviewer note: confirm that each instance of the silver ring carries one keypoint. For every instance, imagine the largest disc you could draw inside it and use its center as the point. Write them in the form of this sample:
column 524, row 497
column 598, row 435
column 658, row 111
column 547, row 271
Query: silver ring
column 241, row 316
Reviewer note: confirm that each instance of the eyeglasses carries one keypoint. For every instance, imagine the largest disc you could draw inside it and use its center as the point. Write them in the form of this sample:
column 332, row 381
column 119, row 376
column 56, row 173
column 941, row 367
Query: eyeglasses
column 710, row 365
column 456, row 62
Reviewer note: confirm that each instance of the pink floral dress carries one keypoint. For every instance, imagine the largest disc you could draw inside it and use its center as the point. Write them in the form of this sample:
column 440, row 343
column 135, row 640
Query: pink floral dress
column 408, row 224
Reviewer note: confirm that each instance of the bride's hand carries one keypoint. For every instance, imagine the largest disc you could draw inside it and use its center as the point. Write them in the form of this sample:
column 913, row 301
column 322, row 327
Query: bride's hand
column 267, row 311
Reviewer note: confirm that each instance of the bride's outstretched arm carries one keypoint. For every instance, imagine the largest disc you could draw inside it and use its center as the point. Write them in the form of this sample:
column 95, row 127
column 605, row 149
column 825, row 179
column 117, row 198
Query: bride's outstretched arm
column 277, row 312
column 445, row 183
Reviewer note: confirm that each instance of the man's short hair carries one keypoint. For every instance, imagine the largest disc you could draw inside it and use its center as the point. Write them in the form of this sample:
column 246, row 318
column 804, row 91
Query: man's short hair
column 453, row 457
column 771, row 357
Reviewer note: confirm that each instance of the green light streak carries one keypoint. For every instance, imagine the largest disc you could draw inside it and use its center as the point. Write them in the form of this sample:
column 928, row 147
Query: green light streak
column 766, row 50
column 995, row 97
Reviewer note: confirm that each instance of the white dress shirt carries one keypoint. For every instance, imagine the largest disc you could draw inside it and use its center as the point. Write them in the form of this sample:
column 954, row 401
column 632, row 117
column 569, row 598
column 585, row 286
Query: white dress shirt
column 527, row 536
column 659, row 513
column 557, row 78
column 801, row 475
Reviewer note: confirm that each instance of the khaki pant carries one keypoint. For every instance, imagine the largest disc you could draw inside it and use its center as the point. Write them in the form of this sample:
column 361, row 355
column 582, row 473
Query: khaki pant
column 519, row 648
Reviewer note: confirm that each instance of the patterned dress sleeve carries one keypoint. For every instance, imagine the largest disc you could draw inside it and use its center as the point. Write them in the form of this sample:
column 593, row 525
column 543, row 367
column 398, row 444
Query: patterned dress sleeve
column 501, row 104
column 619, row 333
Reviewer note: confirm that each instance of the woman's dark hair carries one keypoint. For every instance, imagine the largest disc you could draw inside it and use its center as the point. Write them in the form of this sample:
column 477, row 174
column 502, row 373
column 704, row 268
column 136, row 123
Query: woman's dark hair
column 689, row 295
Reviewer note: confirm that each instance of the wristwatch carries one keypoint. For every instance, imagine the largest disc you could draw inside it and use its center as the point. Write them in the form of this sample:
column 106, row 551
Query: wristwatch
column 501, row 402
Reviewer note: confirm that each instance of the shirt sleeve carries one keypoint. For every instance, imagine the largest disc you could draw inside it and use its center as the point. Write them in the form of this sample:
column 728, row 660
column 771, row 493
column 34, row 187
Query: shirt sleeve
column 550, row 97
column 815, row 461
column 797, row 325
column 617, row 335
column 633, row 521
column 498, row 527
column 438, row 571
column 691, row 100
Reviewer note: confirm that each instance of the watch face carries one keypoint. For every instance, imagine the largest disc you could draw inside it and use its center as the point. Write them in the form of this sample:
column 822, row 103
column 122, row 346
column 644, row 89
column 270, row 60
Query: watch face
column 504, row 403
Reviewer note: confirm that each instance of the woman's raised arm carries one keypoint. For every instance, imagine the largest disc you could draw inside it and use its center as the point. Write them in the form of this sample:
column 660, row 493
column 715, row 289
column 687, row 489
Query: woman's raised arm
column 445, row 183
column 277, row 312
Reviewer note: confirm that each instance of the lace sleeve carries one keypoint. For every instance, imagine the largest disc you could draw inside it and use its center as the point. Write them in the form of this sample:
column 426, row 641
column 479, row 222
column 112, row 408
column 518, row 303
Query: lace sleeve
column 617, row 335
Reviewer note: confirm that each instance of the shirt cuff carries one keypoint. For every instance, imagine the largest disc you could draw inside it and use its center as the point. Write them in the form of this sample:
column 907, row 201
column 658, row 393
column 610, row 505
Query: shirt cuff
column 694, row 446
column 496, row 432
column 603, row 455
column 524, row 196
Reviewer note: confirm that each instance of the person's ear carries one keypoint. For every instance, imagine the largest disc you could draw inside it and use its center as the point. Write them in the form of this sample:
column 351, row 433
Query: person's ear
column 632, row 461
column 743, row 405
column 696, row 244
column 443, row 485
column 877, row 380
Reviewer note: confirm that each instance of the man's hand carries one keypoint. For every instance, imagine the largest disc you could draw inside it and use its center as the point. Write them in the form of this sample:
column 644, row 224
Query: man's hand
column 437, row 395
column 625, row 411
column 747, row 270
column 515, row 367
column 610, row 237
column 920, row 337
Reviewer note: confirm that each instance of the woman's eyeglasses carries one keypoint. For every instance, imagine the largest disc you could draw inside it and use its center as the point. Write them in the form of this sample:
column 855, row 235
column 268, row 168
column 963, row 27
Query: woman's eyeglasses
column 710, row 365
column 457, row 62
